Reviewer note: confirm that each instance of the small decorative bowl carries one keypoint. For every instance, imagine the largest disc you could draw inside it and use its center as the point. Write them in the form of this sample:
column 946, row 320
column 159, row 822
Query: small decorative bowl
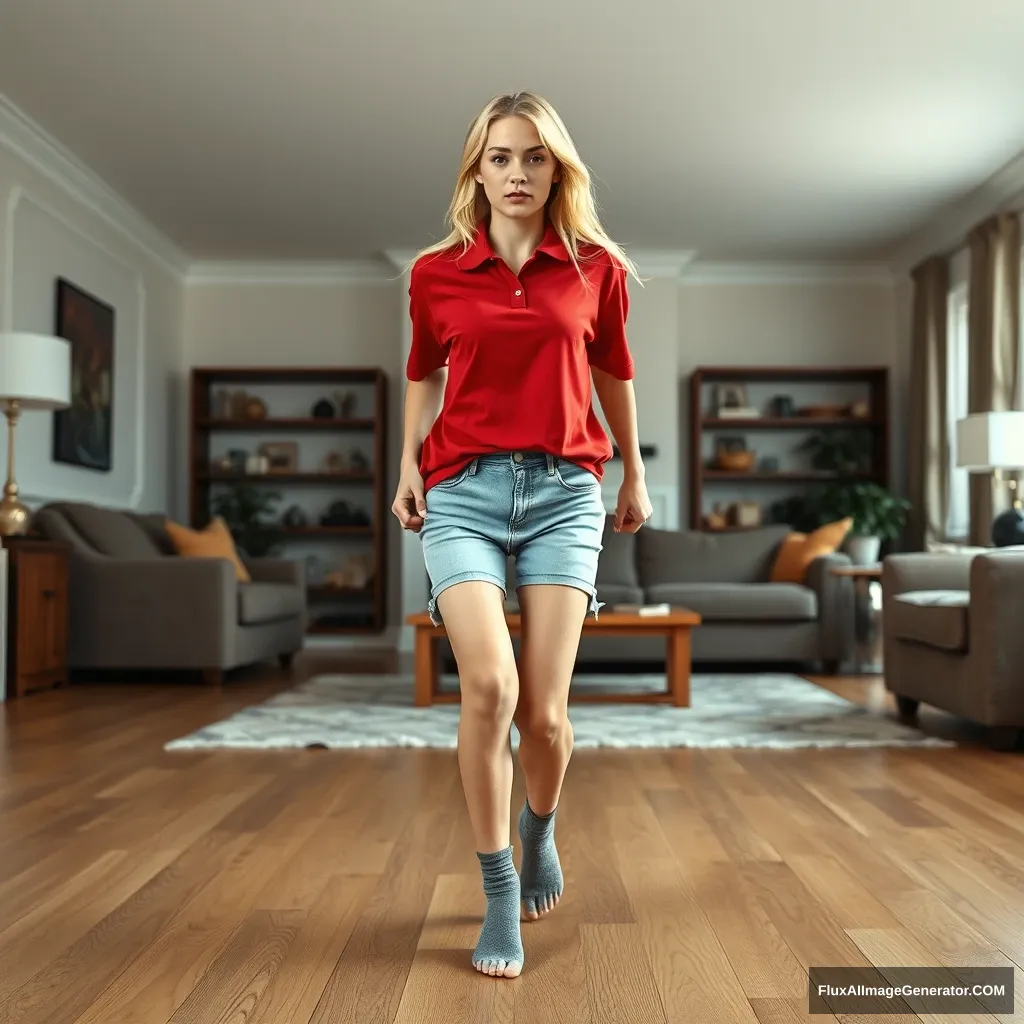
column 736, row 462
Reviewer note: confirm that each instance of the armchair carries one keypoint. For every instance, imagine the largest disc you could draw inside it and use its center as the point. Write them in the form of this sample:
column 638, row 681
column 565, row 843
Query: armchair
column 135, row 604
column 953, row 636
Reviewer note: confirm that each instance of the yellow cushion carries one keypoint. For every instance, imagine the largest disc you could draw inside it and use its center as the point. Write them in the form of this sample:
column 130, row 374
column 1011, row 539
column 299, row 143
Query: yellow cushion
column 798, row 550
column 215, row 541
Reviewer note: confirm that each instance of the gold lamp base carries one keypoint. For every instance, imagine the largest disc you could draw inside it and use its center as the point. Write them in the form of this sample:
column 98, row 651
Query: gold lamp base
column 15, row 515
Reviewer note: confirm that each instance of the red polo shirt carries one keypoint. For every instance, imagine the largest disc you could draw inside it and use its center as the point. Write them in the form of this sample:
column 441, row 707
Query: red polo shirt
column 518, row 349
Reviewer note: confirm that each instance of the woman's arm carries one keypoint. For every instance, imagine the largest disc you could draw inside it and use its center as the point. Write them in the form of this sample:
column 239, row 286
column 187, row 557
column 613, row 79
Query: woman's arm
column 423, row 401
column 618, row 401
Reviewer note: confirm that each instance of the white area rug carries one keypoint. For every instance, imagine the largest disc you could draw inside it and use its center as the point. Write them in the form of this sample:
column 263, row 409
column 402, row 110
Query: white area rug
column 772, row 711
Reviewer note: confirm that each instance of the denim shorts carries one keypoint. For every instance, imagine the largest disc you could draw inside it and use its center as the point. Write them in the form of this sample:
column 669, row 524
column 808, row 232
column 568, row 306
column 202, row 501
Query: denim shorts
column 545, row 511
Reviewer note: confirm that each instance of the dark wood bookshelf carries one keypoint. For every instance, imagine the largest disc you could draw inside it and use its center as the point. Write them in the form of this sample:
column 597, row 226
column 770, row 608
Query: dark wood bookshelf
column 871, row 383
column 333, row 609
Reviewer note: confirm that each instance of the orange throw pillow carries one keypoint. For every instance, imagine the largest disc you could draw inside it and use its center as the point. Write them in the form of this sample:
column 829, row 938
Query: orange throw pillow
column 213, row 542
column 798, row 550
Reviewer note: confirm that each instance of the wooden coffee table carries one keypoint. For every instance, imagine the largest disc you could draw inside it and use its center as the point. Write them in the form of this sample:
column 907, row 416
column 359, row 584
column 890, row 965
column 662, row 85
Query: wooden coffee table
column 674, row 627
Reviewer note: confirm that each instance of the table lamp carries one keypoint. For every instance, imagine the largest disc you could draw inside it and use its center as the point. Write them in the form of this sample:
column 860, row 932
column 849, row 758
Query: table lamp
column 993, row 442
column 35, row 373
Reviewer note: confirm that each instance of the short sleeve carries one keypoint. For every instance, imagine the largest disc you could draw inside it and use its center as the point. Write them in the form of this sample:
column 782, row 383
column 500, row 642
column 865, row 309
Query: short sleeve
column 426, row 352
column 609, row 351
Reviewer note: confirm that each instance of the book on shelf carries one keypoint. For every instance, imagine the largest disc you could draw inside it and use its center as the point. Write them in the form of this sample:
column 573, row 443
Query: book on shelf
column 738, row 412
column 644, row 610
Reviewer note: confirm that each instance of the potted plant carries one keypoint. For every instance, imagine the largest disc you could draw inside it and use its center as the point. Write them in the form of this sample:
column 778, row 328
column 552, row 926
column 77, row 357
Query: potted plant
column 838, row 451
column 243, row 510
column 877, row 514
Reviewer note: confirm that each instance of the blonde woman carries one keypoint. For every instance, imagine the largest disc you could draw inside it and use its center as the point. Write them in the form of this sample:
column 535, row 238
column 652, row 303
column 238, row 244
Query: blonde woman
column 516, row 317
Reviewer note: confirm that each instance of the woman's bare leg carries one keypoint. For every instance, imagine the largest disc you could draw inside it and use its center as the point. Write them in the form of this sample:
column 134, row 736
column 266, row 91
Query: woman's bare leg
column 474, row 619
column 551, row 625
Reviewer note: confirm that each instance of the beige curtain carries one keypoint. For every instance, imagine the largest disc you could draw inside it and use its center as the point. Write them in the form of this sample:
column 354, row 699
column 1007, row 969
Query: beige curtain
column 928, row 458
column 994, row 341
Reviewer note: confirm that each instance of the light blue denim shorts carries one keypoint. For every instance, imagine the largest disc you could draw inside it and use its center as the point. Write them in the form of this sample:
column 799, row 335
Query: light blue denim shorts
column 545, row 511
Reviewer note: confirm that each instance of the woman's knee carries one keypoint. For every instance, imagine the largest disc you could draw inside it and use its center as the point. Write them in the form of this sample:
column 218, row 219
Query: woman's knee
column 489, row 692
column 544, row 723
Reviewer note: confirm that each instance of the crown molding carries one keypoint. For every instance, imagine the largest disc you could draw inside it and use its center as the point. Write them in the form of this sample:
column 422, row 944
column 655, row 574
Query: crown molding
column 769, row 272
column 1003, row 191
column 400, row 258
column 662, row 262
column 255, row 272
column 41, row 151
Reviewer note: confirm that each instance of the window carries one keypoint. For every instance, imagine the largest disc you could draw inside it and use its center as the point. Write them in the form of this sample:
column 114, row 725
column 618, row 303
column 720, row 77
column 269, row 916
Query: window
column 958, row 521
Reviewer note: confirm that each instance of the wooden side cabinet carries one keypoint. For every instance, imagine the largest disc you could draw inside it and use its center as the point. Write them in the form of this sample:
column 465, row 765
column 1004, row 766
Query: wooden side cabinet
column 37, row 614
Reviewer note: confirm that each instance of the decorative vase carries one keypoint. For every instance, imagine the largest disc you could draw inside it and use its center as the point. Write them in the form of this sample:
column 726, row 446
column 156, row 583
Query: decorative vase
column 863, row 550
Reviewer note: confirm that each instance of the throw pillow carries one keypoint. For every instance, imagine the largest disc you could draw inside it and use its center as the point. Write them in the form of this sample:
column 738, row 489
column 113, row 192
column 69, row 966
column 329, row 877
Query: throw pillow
column 215, row 541
column 798, row 550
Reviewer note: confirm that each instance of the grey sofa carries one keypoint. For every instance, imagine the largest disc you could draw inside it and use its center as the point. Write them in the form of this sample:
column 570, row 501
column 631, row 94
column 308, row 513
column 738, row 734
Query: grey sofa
column 953, row 636
column 135, row 604
column 725, row 577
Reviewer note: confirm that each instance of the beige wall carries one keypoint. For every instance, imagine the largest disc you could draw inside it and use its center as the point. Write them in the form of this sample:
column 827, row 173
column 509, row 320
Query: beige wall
column 47, row 232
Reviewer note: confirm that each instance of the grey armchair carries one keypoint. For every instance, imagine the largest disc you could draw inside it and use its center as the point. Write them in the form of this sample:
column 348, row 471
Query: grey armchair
column 135, row 604
column 953, row 635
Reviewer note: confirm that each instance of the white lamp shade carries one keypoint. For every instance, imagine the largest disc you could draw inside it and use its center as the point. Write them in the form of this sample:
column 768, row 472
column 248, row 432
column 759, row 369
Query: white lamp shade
column 35, row 370
column 990, row 440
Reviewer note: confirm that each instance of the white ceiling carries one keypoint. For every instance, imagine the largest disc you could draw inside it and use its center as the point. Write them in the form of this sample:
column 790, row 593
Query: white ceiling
column 329, row 130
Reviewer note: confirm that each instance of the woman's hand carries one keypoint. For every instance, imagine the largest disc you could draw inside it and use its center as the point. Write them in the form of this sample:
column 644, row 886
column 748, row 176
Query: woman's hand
column 634, row 506
column 410, row 505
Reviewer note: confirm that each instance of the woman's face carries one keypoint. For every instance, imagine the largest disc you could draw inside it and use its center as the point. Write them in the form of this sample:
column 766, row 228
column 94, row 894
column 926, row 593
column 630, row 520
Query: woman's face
column 516, row 169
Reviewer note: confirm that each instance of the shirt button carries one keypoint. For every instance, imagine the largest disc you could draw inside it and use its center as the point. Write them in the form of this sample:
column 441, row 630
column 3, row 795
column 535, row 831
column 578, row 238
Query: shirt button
column 519, row 291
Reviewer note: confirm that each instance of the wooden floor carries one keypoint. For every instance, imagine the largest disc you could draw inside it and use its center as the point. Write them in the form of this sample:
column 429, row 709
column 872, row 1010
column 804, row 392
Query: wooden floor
column 144, row 887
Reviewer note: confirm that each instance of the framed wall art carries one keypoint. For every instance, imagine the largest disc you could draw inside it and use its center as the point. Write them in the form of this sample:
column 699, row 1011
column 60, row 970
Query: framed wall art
column 83, row 433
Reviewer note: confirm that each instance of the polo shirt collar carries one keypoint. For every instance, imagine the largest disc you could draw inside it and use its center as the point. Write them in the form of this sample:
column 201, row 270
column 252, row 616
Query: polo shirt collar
column 481, row 250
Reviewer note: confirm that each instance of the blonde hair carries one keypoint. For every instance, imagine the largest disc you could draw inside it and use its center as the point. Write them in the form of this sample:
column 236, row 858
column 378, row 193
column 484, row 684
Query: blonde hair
column 572, row 208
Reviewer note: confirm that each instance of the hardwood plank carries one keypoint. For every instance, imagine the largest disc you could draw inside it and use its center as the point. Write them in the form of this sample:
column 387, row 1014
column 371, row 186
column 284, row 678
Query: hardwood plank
column 619, row 977
column 759, row 955
column 237, row 980
column 695, row 979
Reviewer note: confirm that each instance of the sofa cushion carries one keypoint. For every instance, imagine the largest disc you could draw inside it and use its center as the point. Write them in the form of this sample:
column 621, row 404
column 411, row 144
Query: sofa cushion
column 214, row 541
column 107, row 531
column 798, row 550
column 699, row 556
column 748, row 602
column 934, row 617
column 267, row 602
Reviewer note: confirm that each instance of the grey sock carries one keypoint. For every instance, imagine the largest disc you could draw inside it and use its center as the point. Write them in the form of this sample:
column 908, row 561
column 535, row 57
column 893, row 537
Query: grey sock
column 500, row 940
column 540, row 870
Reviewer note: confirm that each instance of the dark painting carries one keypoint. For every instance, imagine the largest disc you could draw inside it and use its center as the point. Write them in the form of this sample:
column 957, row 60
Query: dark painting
column 83, row 433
